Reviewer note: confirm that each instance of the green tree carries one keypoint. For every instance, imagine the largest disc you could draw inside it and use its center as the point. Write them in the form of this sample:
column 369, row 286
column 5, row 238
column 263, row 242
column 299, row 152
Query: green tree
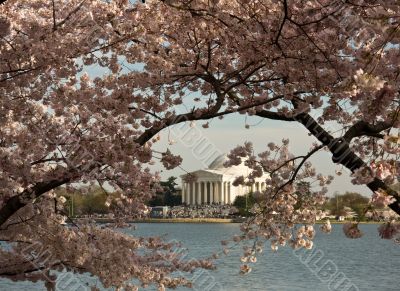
column 304, row 193
column 80, row 204
column 95, row 202
column 168, row 196
column 244, row 203
column 355, row 201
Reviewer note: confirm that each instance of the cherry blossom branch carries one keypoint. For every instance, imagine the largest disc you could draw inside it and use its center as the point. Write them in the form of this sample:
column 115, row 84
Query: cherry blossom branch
column 274, row 115
column 285, row 17
column 342, row 154
column 298, row 168
column 30, row 266
column 363, row 128
column 21, row 220
column 18, row 201
column 264, row 113
column 43, row 160
column 54, row 15
column 14, row 203
column 304, row 159
column 77, row 8
column 145, row 111
column 149, row 133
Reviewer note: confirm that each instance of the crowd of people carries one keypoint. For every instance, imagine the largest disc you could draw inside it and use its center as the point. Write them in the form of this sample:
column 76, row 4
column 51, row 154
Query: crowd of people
column 201, row 211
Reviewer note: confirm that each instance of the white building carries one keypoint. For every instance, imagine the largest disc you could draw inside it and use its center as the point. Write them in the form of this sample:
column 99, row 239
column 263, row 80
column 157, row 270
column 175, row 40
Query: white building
column 214, row 185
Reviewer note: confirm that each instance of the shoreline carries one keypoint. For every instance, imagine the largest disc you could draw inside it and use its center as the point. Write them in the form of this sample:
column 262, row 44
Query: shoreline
column 174, row 220
column 208, row 220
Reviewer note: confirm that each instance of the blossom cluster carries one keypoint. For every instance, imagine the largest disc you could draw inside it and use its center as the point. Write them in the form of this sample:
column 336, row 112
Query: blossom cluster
column 60, row 124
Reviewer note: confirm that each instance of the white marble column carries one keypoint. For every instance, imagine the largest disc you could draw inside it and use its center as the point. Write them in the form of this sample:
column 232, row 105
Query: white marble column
column 202, row 192
column 198, row 193
column 217, row 191
column 204, row 199
column 195, row 193
column 192, row 193
column 183, row 192
column 212, row 192
column 222, row 199
column 223, row 193
column 187, row 193
column 187, row 198
column 206, row 192
column 229, row 194
column 226, row 193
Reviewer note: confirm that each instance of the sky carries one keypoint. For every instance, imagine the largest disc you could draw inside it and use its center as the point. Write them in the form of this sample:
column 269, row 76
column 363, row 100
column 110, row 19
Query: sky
column 205, row 144
column 223, row 135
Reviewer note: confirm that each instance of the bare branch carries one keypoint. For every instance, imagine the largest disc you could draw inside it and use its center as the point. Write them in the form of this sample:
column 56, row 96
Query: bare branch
column 363, row 128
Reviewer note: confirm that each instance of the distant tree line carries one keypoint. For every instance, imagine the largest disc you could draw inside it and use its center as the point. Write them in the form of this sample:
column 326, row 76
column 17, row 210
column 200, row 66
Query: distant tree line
column 92, row 200
column 244, row 203
column 338, row 203
column 85, row 201
column 169, row 196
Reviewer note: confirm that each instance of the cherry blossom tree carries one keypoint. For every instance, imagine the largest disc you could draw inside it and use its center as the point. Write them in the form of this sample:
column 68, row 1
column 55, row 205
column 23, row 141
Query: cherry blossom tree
column 283, row 60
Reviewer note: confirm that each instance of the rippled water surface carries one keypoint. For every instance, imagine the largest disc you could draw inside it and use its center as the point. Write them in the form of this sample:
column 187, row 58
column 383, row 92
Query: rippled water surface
column 335, row 263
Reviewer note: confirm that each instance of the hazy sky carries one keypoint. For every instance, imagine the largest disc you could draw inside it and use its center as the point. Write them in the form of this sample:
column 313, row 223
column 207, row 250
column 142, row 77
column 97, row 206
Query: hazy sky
column 223, row 135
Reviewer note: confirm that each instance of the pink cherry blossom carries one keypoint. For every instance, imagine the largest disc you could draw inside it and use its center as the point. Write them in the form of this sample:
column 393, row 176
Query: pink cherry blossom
column 381, row 199
column 326, row 227
column 351, row 230
column 389, row 230
column 163, row 63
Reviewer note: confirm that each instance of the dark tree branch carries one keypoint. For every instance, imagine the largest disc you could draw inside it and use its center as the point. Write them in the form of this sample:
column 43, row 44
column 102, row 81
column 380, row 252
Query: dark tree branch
column 363, row 128
column 145, row 111
column 48, row 160
column 264, row 113
column 342, row 154
column 298, row 167
column 77, row 8
column 285, row 17
column 18, row 201
column 211, row 113
column 54, row 16
column 274, row 115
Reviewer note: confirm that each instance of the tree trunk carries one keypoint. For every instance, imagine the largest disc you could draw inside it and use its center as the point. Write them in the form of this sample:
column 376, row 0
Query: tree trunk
column 342, row 154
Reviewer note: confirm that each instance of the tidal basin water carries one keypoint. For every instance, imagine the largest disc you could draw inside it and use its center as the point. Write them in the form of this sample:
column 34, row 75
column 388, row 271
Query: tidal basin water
column 335, row 263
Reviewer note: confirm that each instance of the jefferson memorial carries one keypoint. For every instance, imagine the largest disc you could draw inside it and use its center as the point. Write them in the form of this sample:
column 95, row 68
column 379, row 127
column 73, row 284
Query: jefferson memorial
column 214, row 185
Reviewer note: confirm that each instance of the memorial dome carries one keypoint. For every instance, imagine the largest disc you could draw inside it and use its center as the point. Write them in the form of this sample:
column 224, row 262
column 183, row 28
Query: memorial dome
column 218, row 163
